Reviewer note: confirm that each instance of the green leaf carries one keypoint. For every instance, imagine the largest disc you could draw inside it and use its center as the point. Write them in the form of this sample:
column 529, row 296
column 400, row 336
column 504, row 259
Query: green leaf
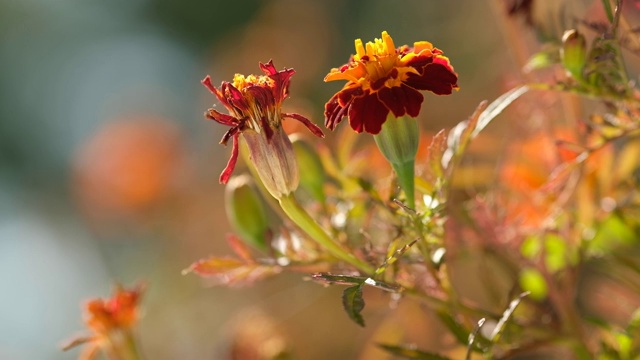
column 353, row 303
column 548, row 56
column 460, row 332
column 329, row 279
column 411, row 353
column 532, row 281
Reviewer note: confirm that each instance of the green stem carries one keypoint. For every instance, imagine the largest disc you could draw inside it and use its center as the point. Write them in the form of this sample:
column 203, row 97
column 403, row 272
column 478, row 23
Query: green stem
column 300, row 217
column 405, row 172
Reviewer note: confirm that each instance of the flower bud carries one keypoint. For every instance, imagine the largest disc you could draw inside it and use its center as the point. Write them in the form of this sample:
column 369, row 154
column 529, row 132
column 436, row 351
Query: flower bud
column 274, row 161
column 312, row 174
column 398, row 141
column 574, row 53
column 246, row 211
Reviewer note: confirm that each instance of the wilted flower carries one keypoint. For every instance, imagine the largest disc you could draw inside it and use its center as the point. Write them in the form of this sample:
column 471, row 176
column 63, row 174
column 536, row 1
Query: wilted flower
column 110, row 322
column 383, row 79
column 253, row 103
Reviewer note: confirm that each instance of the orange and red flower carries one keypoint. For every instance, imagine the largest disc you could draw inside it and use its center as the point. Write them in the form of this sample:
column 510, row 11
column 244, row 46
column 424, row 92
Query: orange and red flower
column 254, row 106
column 111, row 322
column 383, row 79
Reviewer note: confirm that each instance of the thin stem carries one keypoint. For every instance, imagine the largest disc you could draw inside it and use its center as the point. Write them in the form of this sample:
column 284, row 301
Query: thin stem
column 300, row 217
column 405, row 172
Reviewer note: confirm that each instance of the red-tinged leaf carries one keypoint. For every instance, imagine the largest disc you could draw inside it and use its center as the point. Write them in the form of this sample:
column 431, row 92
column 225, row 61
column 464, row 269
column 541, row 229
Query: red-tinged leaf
column 231, row 272
column 436, row 151
column 460, row 136
column 409, row 352
column 239, row 248
column 353, row 303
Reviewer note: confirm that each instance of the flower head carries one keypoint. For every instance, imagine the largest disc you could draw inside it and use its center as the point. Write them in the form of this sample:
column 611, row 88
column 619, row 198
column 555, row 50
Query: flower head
column 254, row 110
column 110, row 322
column 382, row 79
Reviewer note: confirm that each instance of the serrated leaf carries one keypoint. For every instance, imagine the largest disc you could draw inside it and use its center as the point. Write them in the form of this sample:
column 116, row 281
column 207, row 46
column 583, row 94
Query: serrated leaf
column 353, row 303
column 230, row 271
column 460, row 136
column 436, row 151
column 393, row 256
column 497, row 106
column 329, row 279
column 411, row 353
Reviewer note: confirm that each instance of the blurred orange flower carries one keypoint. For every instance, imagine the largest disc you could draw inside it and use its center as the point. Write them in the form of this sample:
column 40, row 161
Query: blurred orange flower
column 383, row 79
column 110, row 322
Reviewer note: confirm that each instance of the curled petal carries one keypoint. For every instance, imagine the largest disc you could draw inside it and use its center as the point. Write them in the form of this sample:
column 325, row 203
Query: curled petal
column 223, row 119
column 236, row 98
column 306, row 122
column 333, row 112
column 232, row 132
column 207, row 83
column 231, row 164
column 367, row 113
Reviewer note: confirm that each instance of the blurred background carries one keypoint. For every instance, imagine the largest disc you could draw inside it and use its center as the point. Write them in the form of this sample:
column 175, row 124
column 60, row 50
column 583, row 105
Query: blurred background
column 108, row 170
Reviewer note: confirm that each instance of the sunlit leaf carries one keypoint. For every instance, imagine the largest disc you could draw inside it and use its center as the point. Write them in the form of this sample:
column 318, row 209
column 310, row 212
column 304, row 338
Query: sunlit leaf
column 506, row 315
column 497, row 106
column 353, row 303
column 473, row 336
column 411, row 353
column 230, row 271
column 436, row 150
column 548, row 56
column 393, row 256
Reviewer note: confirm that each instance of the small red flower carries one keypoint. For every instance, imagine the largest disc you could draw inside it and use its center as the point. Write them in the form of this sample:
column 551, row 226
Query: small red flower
column 383, row 79
column 254, row 105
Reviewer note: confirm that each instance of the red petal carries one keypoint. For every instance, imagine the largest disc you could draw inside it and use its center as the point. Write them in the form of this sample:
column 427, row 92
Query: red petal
column 308, row 123
column 367, row 113
column 235, row 96
column 282, row 79
column 231, row 164
column 221, row 118
column 333, row 112
column 348, row 93
column 207, row 83
column 401, row 100
column 437, row 78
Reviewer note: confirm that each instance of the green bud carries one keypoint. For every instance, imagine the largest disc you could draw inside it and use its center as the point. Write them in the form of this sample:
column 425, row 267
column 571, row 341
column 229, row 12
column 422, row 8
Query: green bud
column 398, row 141
column 246, row 211
column 574, row 53
column 312, row 174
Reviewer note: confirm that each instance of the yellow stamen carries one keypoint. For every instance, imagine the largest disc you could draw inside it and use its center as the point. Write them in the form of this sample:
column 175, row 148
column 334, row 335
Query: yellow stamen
column 388, row 43
column 370, row 49
column 359, row 49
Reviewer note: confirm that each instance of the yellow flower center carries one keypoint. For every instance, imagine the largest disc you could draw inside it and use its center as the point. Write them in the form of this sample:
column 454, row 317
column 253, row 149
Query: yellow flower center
column 241, row 82
column 375, row 60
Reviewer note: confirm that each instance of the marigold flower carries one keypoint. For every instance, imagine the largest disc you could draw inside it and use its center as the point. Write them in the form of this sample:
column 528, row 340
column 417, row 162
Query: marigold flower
column 110, row 322
column 383, row 79
column 254, row 106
